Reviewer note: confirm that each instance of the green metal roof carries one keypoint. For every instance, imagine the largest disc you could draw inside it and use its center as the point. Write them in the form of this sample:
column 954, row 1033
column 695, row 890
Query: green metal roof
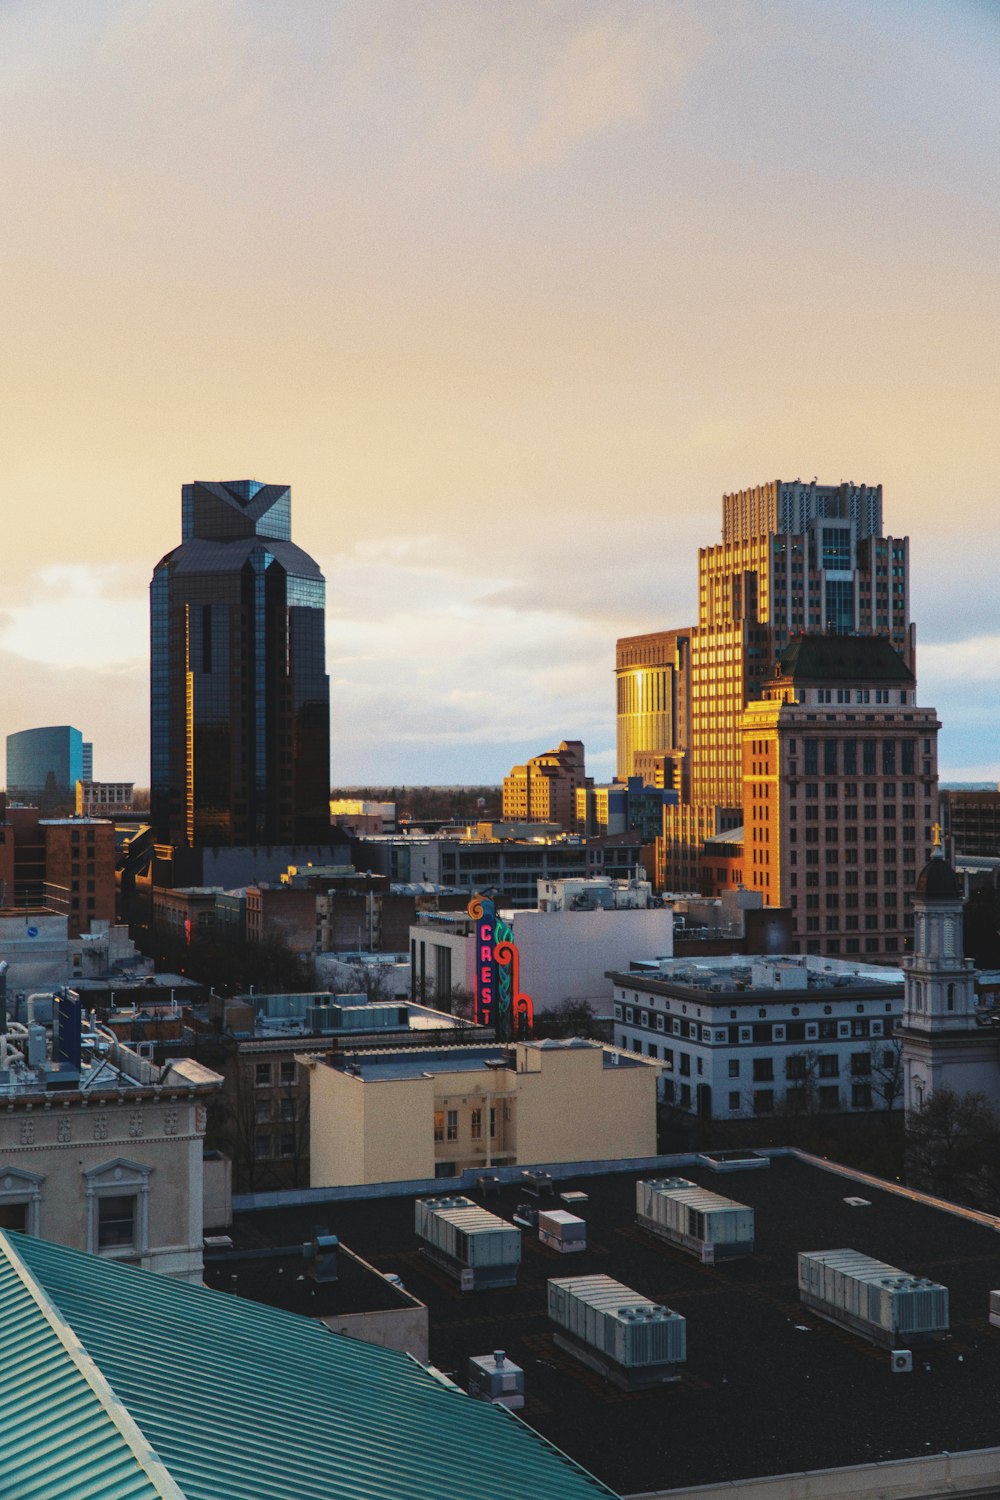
column 236, row 1399
column 60, row 1430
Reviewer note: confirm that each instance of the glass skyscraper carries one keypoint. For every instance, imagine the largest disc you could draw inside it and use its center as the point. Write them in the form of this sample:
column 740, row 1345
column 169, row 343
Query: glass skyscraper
column 240, row 699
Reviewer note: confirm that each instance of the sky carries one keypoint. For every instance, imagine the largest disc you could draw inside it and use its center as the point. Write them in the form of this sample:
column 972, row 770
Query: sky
column 510, row 294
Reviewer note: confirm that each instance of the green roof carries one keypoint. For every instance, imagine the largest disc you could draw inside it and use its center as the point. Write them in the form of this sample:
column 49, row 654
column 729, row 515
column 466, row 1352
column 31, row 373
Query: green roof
column 122, row 1382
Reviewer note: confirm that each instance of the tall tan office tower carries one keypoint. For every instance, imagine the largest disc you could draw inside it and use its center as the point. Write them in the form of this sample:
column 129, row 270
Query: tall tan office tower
column 840, row 794
column 795, row 557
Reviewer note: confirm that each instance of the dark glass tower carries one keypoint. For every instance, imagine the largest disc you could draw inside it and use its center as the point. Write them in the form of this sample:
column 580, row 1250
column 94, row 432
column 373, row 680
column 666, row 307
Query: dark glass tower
column 240, row 721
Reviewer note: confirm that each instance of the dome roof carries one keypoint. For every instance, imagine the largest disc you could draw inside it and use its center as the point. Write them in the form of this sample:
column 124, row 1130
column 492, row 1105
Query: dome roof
column 937, row 881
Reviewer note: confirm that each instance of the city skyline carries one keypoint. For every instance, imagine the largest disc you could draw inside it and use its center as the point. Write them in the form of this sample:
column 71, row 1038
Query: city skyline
column 511, row 297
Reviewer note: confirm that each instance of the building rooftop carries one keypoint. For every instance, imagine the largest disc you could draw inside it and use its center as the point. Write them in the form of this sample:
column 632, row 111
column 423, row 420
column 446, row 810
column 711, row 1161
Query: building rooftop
column 120, row 1384
column 426, row 1061
column 282, row 1279
column 738, row 974
column 844, row 658
column 769, row 1387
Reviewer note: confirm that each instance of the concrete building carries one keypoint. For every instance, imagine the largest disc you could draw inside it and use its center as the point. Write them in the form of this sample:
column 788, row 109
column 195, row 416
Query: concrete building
column 579, row 930
column 267, row 1090
column 397, row 1116
column 653, row 703
column 102, row 1150
column 544, row 789
column 283, row 912
column 104, row 799
column 839, row 793
column 358, row 815
column 36, row 945
column 970, row 819
column 738, row 1037
column 510, row 867
column 80, row 860
column 794, row 558
column 625, row 806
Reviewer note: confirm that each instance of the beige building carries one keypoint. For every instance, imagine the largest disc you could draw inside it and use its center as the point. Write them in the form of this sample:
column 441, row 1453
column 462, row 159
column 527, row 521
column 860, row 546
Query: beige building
column 795, row 557
column 394, row 1116
column 840, row 794
column 543, row 790
column 106, row 1158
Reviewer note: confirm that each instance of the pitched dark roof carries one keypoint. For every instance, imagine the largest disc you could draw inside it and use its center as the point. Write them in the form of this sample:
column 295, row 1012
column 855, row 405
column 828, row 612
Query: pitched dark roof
column 844, row 658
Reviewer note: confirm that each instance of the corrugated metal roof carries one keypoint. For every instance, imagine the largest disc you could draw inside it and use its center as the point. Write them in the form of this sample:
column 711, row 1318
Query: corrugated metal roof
column 59, row 1432
column 238, row 1399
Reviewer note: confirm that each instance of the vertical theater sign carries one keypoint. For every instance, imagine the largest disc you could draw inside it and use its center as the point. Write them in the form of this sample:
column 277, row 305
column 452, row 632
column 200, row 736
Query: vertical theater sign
column 499, row 1000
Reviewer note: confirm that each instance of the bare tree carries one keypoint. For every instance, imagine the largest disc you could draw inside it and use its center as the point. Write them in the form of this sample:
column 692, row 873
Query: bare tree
column 886, row 1072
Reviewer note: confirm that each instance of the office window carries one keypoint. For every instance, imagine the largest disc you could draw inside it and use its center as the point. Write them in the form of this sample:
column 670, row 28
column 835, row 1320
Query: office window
column 116, row 1222
column 439, row 1124
column 453, row 1124
column 477, row 1124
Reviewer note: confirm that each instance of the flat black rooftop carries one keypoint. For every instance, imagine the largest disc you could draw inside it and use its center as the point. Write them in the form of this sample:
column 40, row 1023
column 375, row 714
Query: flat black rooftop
column 768, row 1388
column 284, row 1281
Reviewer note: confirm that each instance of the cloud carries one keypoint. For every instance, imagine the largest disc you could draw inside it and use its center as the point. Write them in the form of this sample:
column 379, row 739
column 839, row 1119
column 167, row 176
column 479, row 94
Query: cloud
column 79, row 615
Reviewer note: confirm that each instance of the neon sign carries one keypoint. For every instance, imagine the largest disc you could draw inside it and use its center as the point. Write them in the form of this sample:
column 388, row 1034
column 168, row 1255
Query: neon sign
column 499, row 1000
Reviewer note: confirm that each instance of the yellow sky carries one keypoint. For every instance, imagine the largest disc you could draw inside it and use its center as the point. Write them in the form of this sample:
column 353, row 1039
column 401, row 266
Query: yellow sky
column 510, row 294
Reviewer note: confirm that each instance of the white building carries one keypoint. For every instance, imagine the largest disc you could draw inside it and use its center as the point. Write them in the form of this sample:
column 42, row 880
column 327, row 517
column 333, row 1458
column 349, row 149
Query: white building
column 740, row 1036
column 948, row 1043
column 580, row 931
column 39, row 952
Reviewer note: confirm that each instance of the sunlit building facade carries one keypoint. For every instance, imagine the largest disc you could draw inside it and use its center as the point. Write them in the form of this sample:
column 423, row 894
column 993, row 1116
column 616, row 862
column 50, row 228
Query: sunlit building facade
column 840, row 794
column 543, row 790
column 240, row 699
column 653, row 702
column 795, row 558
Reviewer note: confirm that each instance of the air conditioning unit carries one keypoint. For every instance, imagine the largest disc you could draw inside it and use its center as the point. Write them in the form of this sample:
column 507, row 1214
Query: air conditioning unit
column 901, row 1362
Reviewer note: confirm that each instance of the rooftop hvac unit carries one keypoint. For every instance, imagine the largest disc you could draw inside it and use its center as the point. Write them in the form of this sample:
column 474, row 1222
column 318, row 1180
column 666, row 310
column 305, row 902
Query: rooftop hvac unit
column 562, row 1231
column 633, row 1341
column 494, row 1377
column 901, row 1362
column 464, row 1238
column 872, row 1298
column 706, row 1224
column 995, row 1309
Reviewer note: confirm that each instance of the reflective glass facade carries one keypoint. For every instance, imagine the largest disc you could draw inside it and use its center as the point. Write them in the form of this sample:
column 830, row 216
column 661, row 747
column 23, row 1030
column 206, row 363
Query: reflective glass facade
column 47, row 761
column 240, row 699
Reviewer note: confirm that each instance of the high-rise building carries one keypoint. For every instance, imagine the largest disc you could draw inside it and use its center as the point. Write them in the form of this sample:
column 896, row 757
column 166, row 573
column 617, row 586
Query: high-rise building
column 543, row 790
column 240, row 721
column 795, row 558
column 840, row 795
column 44, row 765
column 652, row 683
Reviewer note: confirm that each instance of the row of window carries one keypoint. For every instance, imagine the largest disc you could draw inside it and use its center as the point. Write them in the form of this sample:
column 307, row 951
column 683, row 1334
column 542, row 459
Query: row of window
column 264, row 1073
column 827, row 1097
column 759, row 1032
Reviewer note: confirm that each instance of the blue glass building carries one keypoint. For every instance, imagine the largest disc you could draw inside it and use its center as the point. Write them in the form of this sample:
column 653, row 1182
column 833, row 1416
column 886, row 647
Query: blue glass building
column 44, row 765
column 240, row 699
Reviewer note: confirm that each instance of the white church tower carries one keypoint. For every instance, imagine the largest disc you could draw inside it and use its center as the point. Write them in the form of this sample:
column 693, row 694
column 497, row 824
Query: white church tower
column 943, row 1044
